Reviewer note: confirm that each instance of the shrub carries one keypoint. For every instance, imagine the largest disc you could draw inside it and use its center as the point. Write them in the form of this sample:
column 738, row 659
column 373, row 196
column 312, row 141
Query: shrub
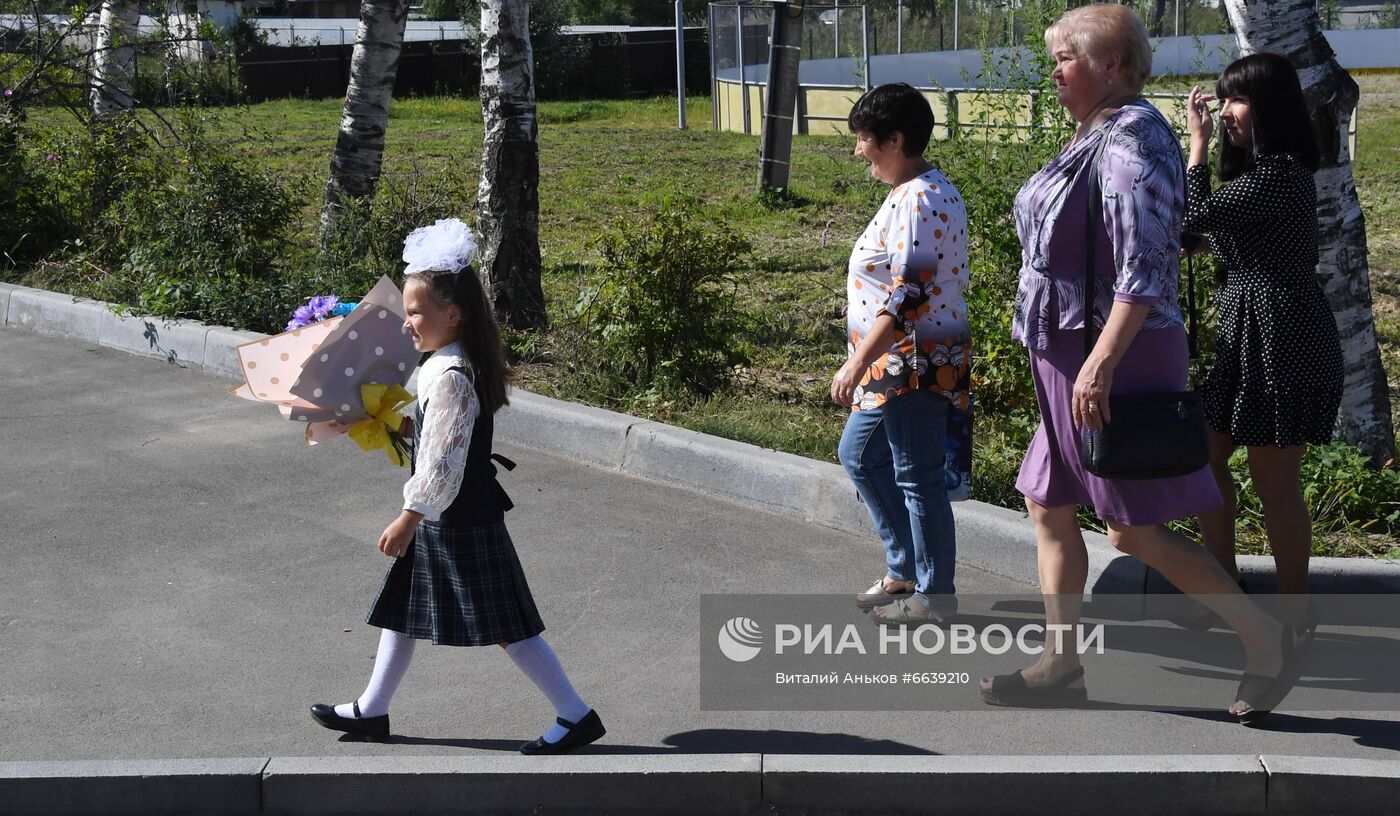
column 178, row 230
column 366, row 241
column 1342, row 492
column 664, row 317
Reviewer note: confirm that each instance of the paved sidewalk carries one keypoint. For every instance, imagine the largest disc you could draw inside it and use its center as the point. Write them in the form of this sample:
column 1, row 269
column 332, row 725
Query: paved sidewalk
column 182, row 578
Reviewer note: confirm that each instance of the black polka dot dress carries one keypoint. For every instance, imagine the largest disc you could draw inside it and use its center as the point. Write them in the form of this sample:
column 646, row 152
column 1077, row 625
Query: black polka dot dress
column 1277, row 377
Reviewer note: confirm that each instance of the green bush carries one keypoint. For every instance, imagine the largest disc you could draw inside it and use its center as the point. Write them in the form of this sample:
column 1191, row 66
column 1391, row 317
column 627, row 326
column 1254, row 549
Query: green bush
column 68, row 180
column 14, row 182
column 180, row 227
column 176, row 67
column 173, row 230
column 162, row 81
column 1344, row 495
column 366, row 240
column 664, row 317
column 206, row 245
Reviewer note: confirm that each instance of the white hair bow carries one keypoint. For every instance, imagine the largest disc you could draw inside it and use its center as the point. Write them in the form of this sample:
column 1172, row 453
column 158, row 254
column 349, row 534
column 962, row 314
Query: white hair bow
column 446, row 246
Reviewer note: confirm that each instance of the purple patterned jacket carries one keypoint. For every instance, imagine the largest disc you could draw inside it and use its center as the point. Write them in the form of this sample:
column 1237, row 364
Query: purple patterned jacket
column 1142, row 179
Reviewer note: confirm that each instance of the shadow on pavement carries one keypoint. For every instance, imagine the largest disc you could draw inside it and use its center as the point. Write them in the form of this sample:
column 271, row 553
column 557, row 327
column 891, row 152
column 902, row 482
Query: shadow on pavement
column 742, row 741
column 704, row 741
column 1371, row 733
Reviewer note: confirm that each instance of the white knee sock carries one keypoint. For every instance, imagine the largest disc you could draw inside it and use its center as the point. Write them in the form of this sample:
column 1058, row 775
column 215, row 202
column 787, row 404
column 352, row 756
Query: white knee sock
column 537, row 660
column 390, row 663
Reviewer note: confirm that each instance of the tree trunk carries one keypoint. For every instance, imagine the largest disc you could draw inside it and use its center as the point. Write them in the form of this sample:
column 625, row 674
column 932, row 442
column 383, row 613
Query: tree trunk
column 359, row 148
column 1290, row 28
column 508, row 196
column 1154, row 23
column 114, row 57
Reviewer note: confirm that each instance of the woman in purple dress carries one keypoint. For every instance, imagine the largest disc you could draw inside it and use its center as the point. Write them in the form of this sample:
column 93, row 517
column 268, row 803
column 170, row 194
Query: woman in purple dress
column 1102, row 59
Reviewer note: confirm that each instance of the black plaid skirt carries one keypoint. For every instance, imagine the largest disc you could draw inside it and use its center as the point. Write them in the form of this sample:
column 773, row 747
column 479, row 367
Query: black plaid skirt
column 458, row 586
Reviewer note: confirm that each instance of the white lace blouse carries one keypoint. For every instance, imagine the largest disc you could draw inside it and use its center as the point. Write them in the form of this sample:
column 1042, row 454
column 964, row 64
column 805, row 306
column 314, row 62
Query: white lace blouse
column 450, row 411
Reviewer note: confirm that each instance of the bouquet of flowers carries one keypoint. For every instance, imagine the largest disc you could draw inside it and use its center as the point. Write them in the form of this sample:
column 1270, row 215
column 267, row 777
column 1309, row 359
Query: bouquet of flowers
column 318, row 308
column 339, row 373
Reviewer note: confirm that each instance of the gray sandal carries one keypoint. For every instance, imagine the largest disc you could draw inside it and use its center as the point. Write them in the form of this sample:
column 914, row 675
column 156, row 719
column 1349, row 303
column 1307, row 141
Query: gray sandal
column 907, row 612
column 877, row 595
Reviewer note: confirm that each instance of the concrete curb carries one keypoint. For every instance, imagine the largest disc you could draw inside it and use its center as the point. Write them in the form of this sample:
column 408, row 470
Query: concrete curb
column 516, row 784
column 1096, row 785
column 705, row 784
column 816, row 492
column 175, row 786
column 1308, row 785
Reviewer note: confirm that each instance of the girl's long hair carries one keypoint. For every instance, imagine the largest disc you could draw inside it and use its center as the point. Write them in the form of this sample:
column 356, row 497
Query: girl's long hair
column 1278, row 110
column 480, row 336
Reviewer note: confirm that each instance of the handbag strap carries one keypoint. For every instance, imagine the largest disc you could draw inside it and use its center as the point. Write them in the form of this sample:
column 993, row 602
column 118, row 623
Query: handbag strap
column 1091, row 251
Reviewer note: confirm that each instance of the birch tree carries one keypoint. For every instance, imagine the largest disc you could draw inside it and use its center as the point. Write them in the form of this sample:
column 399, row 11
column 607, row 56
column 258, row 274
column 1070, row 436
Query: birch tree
column 508, row 195
column 1290, row 28
column 359, row 148
column 114, row 57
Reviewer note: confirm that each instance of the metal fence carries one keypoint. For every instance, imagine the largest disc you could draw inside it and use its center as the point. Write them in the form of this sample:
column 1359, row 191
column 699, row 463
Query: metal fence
column 438, row 59
column 839, row 61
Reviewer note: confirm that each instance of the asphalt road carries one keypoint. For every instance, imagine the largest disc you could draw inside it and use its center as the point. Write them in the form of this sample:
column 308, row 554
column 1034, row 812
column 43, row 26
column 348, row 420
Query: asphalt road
column 181, row 577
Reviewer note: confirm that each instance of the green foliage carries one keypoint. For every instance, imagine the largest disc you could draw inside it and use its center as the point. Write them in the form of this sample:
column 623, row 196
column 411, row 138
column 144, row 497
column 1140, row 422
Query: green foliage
column 65, row 181
column 13, row 188
column 443, row 9
column 1329, row 13
column 988, row 168
column 366, row 241
column 781, row 198
column 1342, row 492
column 634, row 12
column 562, row 62
column 162, row 81
column 205, row 243
column 182, row 230
column 664, row 317
column 186, row 227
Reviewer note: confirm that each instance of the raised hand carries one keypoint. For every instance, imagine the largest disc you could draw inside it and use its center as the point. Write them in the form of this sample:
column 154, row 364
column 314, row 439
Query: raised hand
column 1199, row 121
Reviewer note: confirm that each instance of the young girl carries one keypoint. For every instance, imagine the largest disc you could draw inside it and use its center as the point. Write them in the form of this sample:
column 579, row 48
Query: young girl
column 456, row 578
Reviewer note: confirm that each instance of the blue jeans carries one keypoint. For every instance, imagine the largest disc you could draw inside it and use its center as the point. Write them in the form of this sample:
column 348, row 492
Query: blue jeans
column 894, row 455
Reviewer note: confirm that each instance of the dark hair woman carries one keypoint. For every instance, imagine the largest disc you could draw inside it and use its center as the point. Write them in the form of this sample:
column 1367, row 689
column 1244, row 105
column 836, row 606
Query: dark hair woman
column 1277, row 378
column 907, row 443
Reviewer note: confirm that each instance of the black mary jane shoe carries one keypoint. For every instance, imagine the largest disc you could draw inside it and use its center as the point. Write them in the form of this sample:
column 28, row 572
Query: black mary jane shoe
column 373, row 728
column 1011, row 690
column 586, row 730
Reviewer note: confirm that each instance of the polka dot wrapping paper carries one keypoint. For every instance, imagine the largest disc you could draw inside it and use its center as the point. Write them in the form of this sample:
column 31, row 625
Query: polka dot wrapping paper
column 314, row 374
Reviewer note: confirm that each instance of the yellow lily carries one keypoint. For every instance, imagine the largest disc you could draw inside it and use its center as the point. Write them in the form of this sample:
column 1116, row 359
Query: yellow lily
column 381, row 430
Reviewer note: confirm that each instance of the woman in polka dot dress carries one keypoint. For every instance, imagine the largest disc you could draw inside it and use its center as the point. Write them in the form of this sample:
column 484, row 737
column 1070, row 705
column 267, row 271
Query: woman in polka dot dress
column 456, row 579
column 1277, row 378
column 907, row 442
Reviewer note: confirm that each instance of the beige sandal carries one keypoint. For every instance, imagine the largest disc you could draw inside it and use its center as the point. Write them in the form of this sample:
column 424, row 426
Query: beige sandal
column 878, row 595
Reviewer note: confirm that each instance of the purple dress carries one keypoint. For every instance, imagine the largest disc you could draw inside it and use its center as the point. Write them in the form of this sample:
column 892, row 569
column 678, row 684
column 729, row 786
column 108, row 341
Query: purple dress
column 1142, row 178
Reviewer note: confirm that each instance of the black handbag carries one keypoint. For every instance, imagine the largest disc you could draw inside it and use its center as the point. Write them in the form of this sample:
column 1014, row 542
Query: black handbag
column 1152, row 435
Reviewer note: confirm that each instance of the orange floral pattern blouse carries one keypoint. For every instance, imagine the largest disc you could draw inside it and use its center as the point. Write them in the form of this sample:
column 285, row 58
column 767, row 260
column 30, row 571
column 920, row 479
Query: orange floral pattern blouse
column 911, row 262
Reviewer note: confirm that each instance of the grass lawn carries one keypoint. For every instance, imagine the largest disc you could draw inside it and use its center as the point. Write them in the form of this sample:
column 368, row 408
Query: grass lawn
column 603, row 163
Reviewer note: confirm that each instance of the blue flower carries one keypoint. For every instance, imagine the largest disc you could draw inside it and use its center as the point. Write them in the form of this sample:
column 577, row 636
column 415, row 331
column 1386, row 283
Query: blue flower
column 315, row 310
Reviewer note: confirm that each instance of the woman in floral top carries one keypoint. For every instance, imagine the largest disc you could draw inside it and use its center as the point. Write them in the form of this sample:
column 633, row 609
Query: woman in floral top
column 907, row 443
